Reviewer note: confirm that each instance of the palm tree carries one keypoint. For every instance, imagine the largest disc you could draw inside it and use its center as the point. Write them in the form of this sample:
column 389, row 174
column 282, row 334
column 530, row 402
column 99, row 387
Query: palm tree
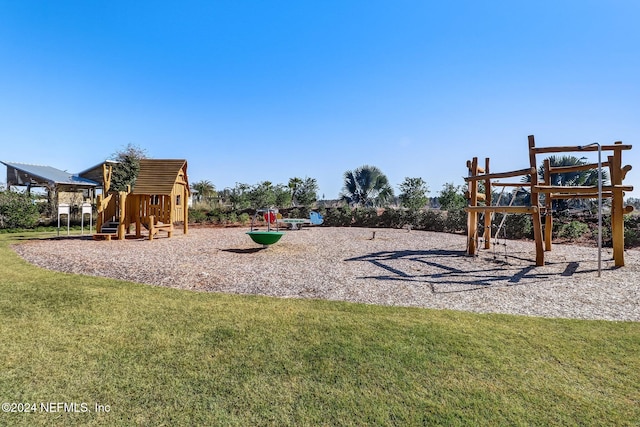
column 575, row 178
column 204, row 189
column 294, row 184
column 587, row 177
column 366, row 186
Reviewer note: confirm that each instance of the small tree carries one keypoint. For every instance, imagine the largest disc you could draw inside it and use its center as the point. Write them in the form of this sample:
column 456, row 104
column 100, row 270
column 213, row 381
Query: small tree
column 126, row 171
column 303, row 191
column 238, row 196
column 262, row 195
column 282, row 196
column 413, row 194
column 451, row 197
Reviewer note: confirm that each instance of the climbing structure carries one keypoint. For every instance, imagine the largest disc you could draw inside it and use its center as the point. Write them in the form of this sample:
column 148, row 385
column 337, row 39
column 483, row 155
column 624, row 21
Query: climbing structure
column 480, row 202
column 158, row 200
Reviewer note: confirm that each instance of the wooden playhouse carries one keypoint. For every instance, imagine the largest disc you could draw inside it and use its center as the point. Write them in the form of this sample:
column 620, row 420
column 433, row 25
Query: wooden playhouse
column 157, row 202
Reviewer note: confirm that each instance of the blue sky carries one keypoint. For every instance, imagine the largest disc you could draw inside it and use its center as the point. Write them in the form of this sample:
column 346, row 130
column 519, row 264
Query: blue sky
column 249, row 91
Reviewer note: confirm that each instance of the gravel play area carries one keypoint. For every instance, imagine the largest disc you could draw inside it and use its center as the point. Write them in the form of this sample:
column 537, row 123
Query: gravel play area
column 392, row 267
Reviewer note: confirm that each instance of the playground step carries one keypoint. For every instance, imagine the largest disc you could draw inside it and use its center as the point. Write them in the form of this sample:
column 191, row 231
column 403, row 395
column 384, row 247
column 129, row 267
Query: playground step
column 110, row 227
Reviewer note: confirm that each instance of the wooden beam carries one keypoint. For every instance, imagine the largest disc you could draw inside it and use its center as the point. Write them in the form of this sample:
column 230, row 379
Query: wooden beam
column 578, row 189
column 502, row 209
column 561, row 196
column 565, row 169
column 511, row 184
column 578, row 148
column 481, row 196
column 498, row 175
column 474, row 170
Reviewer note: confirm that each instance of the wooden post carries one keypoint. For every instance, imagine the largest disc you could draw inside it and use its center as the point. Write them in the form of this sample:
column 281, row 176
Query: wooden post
column 138, row 213
column 473, row 216
column 548, row 218
column 107, row 171
column 185, row 209
column 100, row 216
column 152, row 221
column 535, row 200
column 487, row 215
column 122, row 205
column 617, row 210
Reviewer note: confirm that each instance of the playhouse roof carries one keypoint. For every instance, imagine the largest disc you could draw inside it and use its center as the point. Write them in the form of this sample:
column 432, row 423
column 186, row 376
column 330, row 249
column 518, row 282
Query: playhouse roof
column 157, row 176
column 38, row 175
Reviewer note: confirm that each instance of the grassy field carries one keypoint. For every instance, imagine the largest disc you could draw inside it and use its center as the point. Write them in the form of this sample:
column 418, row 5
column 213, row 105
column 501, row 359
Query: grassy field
column 156, row 356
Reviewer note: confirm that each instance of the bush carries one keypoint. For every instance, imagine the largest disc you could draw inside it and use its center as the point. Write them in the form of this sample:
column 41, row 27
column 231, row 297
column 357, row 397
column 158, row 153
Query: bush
column 631, row 230
column 244, row 218
column 573, row 230
column 295, row 213
column 339, row 217
column 233, row 218
column 17, row 210
column 365, row 217
column 515, row 226
column 432, row 220
column 392, row 218
column 197, row 216
column 456, row 221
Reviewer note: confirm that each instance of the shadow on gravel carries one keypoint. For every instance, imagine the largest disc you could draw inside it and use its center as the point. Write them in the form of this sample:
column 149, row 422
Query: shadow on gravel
column 243, row 251
column 447, row 271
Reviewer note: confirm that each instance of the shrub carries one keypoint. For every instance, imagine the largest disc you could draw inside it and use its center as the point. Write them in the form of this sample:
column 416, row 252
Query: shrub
column 631, row 232
column 573, row 229
column 244, row 218
column 456, row 220
column 233, row 218
column 197, row 216
column 392, row 218
column 339, row 217
column 432, row 220
column 17, row 210
column 365, row 217
column 519, row 226
column 295, row 213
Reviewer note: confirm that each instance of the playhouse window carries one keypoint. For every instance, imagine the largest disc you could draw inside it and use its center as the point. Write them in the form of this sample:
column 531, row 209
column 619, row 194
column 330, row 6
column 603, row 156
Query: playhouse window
column 178, row 200
column 155, row 199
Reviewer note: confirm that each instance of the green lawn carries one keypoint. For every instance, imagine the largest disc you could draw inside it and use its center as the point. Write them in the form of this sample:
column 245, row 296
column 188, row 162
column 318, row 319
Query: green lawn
column 159, row 356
